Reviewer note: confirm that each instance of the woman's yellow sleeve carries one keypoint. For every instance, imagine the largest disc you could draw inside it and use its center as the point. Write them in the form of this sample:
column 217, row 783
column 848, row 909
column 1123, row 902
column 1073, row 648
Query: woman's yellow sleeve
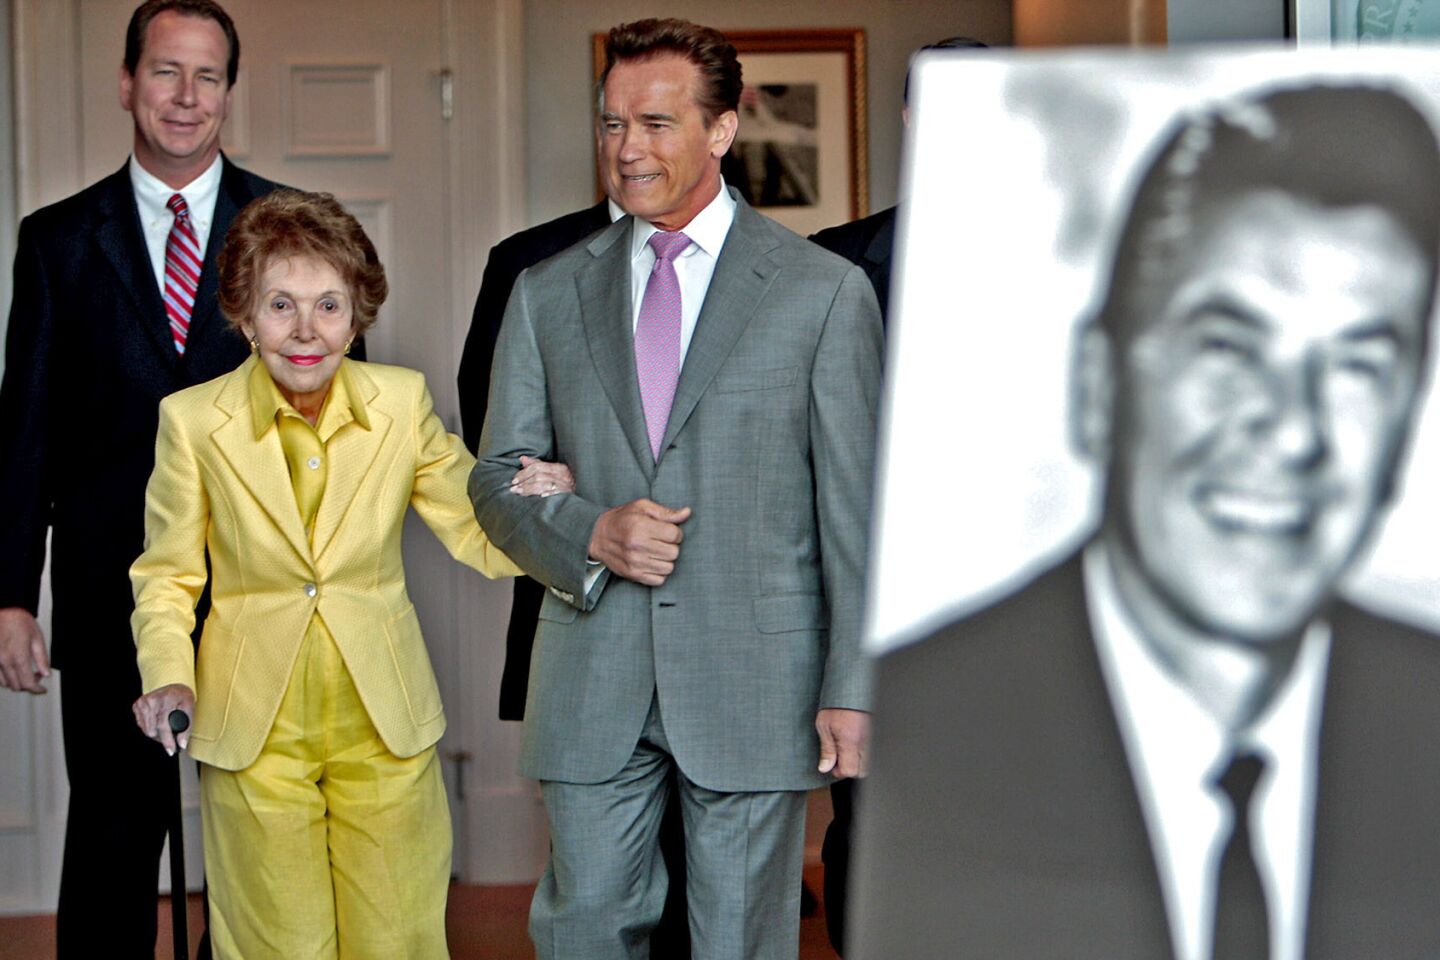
column 441, row 472
column 168, row 577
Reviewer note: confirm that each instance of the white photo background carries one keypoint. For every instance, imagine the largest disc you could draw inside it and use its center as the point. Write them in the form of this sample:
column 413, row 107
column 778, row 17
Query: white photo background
column 1018, row 169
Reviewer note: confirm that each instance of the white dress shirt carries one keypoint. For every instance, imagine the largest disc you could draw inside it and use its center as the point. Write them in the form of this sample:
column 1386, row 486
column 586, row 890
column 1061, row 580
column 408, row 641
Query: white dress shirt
column 151, row 196
column 1177, row 750
column 693, row 267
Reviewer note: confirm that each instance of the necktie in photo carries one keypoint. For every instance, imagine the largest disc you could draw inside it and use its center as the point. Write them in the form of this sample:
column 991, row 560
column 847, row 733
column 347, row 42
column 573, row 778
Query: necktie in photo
column 657, row 336
column 182, row 271
column 1242, row 922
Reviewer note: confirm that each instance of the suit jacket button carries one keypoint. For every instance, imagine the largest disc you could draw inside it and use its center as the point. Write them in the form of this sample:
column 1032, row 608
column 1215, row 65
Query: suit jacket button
column 310, row 590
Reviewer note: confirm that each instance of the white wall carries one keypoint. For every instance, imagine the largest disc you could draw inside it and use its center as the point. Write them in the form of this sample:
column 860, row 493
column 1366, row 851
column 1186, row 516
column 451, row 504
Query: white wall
column 558, row 73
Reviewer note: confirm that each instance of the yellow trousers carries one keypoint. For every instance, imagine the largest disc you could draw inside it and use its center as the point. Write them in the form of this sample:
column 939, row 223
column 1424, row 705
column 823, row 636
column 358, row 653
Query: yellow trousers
column 327, row 846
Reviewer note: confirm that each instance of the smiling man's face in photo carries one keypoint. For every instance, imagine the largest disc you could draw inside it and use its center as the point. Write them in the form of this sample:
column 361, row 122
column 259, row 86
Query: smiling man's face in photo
column 1262, row 408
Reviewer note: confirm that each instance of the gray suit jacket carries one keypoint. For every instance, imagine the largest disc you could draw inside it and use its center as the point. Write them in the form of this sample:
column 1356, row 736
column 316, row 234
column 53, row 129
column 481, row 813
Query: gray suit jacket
column 770, row 441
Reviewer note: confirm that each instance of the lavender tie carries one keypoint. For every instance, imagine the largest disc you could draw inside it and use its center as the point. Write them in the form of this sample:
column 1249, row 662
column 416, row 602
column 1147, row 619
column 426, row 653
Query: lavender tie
column 657, row 336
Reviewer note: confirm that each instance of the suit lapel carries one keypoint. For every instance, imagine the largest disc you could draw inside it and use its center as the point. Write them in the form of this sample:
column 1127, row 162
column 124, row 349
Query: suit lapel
column 1108, row 807
column 351, row 450
column 260, row 464
column 228, row 201
column 743, row 272
column 881, row 248
column 121, row 239
column 882, row 244
column 603, row 286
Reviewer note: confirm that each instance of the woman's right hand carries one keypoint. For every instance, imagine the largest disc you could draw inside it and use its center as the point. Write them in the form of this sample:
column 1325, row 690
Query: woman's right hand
column 541, row 478
column 152, row 714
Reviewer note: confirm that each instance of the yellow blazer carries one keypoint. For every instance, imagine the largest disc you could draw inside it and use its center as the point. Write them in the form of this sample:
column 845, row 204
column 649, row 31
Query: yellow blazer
column 217, row 487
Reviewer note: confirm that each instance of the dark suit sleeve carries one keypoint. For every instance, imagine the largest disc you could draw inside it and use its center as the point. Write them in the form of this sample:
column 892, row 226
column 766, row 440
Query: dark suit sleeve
column 25, row 408
column 479, row 352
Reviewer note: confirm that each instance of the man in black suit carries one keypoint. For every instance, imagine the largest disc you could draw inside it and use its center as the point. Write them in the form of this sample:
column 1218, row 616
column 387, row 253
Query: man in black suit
column 508, row 259
column 101, row 328
column 869, row 243
column 1179, row 742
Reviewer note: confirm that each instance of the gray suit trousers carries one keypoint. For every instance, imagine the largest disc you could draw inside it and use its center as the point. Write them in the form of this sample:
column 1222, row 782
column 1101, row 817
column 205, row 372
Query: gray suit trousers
column 744, row 853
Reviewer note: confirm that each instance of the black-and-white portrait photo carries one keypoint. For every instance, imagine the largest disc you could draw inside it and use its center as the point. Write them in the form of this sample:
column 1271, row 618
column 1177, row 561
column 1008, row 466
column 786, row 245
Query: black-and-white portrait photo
column 1161, row 445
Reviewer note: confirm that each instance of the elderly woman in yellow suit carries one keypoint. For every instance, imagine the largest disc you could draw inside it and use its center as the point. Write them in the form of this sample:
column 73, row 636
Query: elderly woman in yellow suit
column 314, row 704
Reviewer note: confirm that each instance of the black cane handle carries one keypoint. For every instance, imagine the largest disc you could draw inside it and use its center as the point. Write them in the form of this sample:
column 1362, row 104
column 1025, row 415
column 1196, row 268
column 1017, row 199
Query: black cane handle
column 179, row 721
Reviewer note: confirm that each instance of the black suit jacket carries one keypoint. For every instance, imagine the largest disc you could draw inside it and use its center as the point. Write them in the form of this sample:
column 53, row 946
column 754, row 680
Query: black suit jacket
column 868, row 243
column 88, row 359
column 1002, row 820
column 508, row 259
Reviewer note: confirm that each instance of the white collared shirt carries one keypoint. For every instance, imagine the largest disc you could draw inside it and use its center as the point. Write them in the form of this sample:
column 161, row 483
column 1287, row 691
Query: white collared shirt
column 1177, row 749
column 151, row 196
column 694, row 267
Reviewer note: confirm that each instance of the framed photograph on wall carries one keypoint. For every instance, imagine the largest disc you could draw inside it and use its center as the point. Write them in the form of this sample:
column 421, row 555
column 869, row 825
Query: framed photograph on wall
column 801, row 153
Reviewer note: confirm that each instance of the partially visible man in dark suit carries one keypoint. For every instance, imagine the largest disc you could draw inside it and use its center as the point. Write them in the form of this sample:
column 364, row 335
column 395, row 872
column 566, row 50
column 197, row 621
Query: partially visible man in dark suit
column 508, row 259
column 869, row 243
column 114, row 308
column 1180, row 742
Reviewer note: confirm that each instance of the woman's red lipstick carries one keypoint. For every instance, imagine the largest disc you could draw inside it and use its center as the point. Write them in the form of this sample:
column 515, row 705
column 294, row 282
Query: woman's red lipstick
column 305, row 359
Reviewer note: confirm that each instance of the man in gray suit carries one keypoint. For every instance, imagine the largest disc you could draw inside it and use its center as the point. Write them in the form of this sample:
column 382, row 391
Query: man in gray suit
column 711, row 378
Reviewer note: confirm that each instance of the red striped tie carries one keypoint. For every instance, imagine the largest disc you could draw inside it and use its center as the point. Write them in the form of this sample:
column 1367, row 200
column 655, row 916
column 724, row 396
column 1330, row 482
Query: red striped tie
column 182, row 271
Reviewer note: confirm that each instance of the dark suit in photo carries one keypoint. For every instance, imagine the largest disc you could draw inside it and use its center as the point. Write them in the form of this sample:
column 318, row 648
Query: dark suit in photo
column 1002, row 820
column 89, row 356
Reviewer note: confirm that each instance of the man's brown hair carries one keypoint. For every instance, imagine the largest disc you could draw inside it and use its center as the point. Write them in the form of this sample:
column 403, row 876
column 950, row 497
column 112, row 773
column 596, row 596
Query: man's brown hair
column 150, row 9
column 705, row 47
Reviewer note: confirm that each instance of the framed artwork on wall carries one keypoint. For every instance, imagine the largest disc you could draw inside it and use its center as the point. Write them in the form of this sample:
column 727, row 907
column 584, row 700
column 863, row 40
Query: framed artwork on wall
column 801, row 155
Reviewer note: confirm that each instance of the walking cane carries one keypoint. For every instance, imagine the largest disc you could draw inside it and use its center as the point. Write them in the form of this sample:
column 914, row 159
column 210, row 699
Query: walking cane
column 179, row 914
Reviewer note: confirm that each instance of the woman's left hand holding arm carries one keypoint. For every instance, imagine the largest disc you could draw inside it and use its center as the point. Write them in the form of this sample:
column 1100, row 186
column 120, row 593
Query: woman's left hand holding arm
column 542, row 478
column 152, row 714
